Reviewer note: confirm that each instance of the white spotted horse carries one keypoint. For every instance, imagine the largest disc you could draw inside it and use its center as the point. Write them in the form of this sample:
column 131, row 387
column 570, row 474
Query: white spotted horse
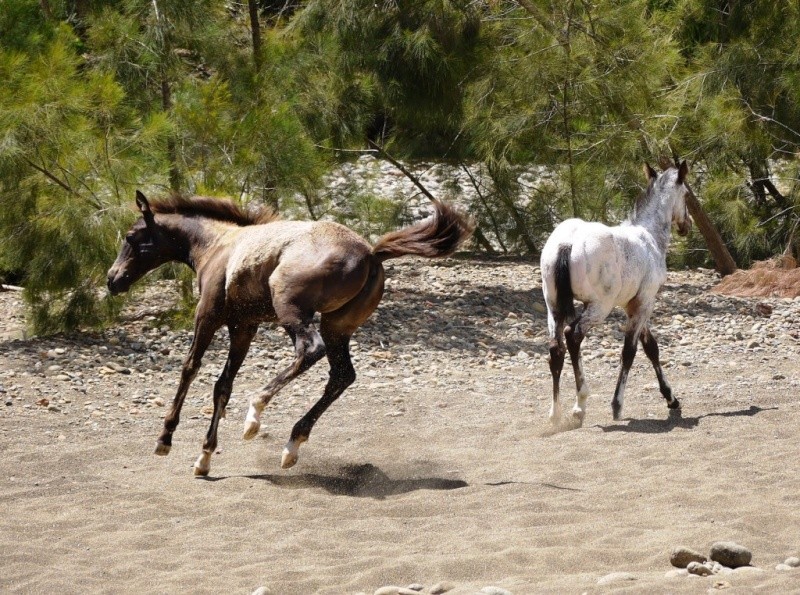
column 604, row 267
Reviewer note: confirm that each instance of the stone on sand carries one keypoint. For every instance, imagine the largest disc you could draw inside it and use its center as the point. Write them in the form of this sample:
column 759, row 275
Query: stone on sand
column 730, row 554
column 616, row 577
column 698, row 569
column 681, row 556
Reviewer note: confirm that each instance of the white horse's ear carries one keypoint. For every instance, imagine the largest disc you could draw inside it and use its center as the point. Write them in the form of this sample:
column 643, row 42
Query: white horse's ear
column 649, row 172
column 683, row 169
column 144, row 208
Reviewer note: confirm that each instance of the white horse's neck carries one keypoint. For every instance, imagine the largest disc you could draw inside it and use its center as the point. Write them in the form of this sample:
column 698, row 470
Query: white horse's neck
column 655, row 216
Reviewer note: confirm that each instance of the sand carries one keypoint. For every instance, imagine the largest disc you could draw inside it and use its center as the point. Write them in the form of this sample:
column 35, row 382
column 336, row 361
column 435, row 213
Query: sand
column 455, row 476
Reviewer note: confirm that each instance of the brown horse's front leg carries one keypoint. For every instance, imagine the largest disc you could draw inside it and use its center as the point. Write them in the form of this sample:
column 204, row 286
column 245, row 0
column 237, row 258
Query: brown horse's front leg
column 203, row 333
column 241, row 337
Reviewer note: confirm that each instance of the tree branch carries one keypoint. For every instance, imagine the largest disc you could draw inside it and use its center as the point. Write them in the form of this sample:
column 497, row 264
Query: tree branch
column 50, row 176
column 405, row 172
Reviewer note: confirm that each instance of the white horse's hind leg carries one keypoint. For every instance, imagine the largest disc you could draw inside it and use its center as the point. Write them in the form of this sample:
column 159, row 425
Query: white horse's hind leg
column 557, row 353
column 575, row 333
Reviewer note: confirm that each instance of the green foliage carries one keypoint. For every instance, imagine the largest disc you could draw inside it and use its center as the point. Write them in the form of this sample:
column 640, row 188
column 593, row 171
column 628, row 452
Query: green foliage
column 552, row 105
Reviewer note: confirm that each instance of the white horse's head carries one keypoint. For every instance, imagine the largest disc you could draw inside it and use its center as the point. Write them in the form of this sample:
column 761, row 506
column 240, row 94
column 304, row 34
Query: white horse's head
column 671, row 186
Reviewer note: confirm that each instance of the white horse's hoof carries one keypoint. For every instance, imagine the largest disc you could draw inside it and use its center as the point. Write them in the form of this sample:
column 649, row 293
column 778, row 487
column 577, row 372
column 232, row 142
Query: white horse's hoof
column 578, row 415
column 555, row 417
column 162, row 450
column 291, row 453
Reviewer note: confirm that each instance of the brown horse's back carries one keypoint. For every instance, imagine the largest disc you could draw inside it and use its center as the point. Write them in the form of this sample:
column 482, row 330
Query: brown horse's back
column 313, row 266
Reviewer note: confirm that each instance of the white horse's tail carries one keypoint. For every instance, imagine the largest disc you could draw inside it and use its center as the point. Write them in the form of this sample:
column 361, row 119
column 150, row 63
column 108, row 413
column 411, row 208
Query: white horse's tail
column 564, row 295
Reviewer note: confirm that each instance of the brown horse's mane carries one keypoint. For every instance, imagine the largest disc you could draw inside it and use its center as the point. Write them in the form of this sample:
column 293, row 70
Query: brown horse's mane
column 220, row 209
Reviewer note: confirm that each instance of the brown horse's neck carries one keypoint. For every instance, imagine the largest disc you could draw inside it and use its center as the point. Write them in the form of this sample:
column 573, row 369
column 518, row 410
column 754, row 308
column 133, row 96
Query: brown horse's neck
column 193, row 239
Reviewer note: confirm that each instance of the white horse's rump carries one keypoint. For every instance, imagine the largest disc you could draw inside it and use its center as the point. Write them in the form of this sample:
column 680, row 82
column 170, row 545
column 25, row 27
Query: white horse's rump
column 604, row 267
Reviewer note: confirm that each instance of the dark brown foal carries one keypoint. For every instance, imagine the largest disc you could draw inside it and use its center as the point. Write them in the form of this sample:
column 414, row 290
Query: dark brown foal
column 253, row 268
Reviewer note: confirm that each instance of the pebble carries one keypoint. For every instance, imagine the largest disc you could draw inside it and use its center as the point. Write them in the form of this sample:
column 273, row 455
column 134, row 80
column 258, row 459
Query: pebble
column 792, row 561
column 730, row 554
column 784, row 567
column 616, row 577
column 681, row 557
column 495, row 591
column 441, row 587
column 699, row 569
column 393, row 590
column 262, row 591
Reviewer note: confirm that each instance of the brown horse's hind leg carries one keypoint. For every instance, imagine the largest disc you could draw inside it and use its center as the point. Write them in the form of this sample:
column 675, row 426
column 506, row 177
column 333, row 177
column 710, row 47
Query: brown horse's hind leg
column 341, row 375
column 203, row 333
column 241, row 337
column 309, row 349
column 651, row 350
column 337, row 328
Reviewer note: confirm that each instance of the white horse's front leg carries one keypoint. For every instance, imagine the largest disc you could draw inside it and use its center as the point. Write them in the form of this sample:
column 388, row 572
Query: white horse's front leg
column 628, row 353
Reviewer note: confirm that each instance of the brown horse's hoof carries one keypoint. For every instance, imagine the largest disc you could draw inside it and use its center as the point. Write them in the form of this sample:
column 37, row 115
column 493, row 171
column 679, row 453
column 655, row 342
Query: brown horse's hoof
column 251, row 429
column 288, row 458
column 162, row 450
column 203, row 464
column 676, row 404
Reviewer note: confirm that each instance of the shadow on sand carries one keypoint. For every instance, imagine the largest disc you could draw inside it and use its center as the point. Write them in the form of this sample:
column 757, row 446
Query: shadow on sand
column 360, row 481
column 676, row 420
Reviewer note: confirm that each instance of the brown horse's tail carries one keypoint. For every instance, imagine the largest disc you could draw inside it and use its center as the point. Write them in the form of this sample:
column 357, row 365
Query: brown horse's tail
column 435, row 236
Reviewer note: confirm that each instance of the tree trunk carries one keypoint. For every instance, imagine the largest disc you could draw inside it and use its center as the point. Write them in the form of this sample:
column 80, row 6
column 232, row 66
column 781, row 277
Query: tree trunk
column 172, row 147
column 255, row 32
column 723, row 261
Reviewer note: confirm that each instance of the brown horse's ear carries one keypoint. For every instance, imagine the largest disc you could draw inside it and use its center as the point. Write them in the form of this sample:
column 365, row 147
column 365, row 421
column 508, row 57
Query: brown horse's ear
column 144, row 208
column 649, row 172
column 683, row 169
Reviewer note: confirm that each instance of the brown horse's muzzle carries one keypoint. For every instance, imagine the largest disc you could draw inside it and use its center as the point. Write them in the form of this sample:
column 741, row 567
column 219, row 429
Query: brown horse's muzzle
column 118, row 281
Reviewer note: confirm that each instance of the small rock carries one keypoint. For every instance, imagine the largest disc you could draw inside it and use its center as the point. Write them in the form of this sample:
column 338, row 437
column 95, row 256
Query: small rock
column 262, row 591
column 442, row 587
column 393, row 590
column 616, row 577
column 158, row 402
column 681, row 556
column 120, row 369
column 747, row 570
column 784, row 567
column 721, row 585
column 793, row 561
column 730, row 554
column 753, row 344
column 698, row 569
column 415, row 587
column 495, row 591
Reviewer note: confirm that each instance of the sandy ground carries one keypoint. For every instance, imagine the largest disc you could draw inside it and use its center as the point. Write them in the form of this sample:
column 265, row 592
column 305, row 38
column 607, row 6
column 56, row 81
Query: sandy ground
column 453, row 475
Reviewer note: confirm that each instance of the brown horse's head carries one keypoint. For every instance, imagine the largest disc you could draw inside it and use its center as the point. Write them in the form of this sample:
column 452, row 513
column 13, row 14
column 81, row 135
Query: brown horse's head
column 145, row 247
